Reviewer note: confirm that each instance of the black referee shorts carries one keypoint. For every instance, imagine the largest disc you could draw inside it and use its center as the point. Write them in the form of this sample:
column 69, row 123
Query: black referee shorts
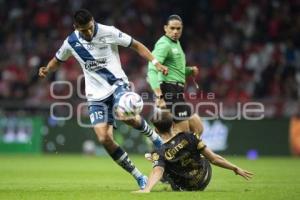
column 173, row 94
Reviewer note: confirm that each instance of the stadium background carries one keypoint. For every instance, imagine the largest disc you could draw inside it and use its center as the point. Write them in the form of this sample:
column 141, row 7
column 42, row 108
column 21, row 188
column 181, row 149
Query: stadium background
column 247, row 51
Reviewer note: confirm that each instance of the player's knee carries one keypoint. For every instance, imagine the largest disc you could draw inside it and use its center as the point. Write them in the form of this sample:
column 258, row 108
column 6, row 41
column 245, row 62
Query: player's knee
column 105, row 139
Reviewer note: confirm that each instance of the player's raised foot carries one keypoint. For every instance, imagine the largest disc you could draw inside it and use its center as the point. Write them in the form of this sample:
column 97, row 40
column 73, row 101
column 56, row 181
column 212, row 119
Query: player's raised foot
column 142, row 181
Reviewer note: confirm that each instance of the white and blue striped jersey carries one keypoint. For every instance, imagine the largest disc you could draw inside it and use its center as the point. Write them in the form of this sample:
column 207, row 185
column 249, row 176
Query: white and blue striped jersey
column 98, row 58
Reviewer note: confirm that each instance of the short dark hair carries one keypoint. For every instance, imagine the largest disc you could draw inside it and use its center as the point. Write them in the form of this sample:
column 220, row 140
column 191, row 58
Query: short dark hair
column 162, row 120
column 173, row 17
column 82, row 17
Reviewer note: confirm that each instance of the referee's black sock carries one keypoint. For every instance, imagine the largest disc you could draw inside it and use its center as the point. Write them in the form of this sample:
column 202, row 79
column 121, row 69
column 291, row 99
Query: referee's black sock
column 121, row 157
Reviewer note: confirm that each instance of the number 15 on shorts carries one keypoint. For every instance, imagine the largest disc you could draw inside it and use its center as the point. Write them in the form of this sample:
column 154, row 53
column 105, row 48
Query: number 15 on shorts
column 97, row 115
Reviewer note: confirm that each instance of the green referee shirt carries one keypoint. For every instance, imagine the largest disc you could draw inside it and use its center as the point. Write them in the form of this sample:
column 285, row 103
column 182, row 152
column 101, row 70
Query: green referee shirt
column 169, row 53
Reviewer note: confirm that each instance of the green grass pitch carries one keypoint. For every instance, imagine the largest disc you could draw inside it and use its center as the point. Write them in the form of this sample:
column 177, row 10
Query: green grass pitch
column 88, row 177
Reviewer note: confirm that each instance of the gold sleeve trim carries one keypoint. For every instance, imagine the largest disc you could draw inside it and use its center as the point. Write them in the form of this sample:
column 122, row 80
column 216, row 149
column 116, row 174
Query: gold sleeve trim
column 201, row 145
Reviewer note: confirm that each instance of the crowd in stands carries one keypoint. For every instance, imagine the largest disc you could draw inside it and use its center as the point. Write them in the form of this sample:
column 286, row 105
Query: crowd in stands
column 245, row 49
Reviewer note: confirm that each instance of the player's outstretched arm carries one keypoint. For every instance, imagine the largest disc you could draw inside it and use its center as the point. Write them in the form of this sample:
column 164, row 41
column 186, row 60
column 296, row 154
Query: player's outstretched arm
column 51, row 66
column 155, row 176
column 222, row 162
column 145, row 53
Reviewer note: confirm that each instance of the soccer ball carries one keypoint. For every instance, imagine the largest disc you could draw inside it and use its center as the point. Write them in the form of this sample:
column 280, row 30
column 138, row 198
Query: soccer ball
column 130, row 104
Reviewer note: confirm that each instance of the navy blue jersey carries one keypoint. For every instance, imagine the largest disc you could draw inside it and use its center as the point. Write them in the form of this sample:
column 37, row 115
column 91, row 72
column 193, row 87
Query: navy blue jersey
column 185, row 167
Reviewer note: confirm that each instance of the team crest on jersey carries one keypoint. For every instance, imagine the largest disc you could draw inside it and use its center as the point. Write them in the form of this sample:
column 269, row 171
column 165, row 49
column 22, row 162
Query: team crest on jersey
column 155, row 156
column 90, row 46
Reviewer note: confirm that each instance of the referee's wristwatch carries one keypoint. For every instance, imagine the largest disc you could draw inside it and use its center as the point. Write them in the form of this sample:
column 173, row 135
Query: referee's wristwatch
column 159, row 96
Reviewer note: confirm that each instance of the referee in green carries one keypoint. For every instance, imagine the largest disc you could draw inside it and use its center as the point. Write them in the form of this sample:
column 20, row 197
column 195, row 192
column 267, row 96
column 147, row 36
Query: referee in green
column 169, row 89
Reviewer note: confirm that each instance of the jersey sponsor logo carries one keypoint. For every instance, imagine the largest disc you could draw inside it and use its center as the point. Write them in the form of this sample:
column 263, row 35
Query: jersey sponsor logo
column 170, row 153
column 94, row 65
column 103, row 47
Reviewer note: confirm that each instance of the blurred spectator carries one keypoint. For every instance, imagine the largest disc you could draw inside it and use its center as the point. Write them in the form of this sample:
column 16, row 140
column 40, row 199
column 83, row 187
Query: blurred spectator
column 295, row 133
column 246, row 50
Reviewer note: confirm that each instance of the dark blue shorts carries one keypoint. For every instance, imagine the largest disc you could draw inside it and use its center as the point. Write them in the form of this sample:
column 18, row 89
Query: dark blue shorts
column 102, row 111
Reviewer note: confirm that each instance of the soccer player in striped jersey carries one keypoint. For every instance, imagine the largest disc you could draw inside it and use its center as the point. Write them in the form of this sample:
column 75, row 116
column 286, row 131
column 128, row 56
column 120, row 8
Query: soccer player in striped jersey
column 95, row 47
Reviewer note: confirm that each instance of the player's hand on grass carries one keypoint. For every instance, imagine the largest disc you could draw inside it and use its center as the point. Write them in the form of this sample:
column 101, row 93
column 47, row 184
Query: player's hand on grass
column 162, row 68
column 43, row 72
column 244, row 173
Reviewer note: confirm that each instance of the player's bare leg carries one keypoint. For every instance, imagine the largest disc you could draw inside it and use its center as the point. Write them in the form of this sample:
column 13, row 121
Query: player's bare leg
column 104, row 133
column 195, row 124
